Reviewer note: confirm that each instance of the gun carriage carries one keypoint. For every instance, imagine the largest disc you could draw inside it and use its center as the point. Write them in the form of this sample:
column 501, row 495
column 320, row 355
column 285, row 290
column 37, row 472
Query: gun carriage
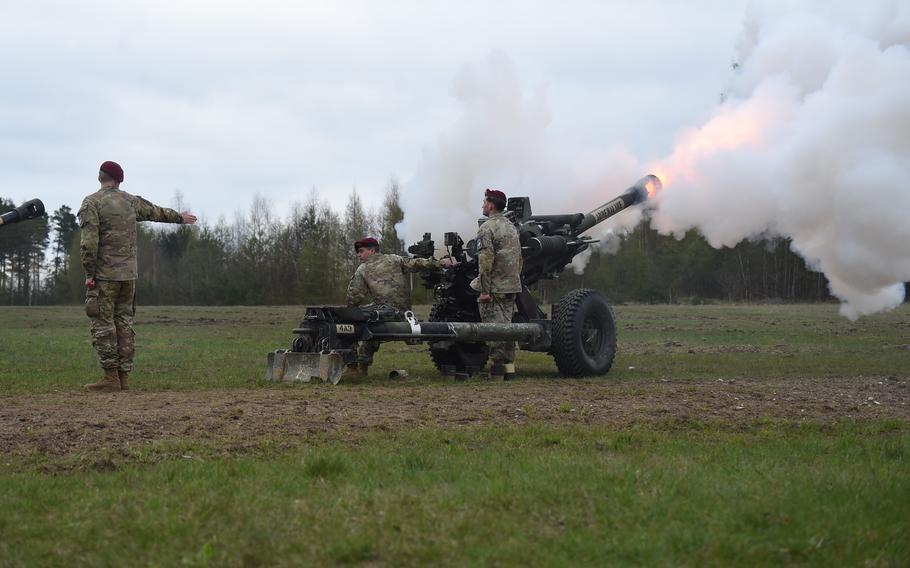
column 580, row 333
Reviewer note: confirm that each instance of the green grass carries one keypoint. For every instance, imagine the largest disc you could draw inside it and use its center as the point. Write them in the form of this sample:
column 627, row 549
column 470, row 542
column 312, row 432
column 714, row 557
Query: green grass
column 49, row 348
column 177, row 347
column 515, row 496
column 762, row 493
column 760, row 341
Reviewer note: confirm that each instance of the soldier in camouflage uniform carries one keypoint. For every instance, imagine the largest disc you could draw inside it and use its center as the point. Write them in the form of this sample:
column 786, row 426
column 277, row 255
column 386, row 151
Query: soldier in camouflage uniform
column 499, row 279
column 380, row 279
column 107, row 219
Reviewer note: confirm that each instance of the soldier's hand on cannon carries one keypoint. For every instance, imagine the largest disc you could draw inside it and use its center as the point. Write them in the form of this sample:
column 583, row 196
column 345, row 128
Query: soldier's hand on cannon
column 188, row 218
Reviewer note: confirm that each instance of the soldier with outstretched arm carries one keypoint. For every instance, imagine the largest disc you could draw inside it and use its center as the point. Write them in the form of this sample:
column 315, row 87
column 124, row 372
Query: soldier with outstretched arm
column 499, row 278
column 380, row 279
column 107, row 219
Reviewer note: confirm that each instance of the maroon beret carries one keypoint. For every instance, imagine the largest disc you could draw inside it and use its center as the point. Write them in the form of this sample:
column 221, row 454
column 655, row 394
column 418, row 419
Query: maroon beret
column 114, row 170
column 365, row 242
column 495, row 194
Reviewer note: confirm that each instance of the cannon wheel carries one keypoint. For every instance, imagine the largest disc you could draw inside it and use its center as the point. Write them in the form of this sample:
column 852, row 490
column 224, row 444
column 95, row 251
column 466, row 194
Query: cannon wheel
column 584, row 334
column 467, row 358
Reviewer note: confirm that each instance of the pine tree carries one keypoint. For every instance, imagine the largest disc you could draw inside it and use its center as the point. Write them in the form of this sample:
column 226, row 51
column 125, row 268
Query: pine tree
column 322, row 260
column 356, row 226
column 65, row 227
column 22, row 254
column 390, row 215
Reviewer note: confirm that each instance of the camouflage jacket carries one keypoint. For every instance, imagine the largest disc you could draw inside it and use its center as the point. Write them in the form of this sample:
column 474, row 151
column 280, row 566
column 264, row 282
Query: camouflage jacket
column 107, row 219
column 380, row 280
column 498, row 256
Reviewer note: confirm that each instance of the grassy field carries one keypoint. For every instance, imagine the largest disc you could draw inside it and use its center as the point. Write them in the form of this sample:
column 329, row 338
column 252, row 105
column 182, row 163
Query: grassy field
column 49, row 348
column 527, row 482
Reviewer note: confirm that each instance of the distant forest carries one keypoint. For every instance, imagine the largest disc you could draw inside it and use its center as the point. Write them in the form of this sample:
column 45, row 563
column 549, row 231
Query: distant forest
column 307, row 257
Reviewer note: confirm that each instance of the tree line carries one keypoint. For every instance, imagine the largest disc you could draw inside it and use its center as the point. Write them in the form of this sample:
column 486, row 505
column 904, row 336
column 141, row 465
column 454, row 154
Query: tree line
column 307, row 257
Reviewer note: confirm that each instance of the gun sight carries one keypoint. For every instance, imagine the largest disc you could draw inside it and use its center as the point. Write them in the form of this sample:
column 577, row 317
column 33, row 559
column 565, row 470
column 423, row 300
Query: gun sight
column 425, row 248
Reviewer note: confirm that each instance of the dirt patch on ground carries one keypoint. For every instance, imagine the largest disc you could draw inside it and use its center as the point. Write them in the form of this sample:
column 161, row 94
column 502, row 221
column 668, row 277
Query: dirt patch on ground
column 65, row 424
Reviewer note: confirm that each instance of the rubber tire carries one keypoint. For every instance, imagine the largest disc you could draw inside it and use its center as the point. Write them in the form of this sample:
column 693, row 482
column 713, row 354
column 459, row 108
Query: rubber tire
column 464, row 357
column 584, row 334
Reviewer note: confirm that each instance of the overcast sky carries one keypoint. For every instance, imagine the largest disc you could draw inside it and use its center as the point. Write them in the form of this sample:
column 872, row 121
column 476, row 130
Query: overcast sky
column 224, row 100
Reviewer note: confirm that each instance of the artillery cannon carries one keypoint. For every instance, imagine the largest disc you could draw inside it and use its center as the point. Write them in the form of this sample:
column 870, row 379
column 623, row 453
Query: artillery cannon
column 580, row 334
column 28, row 210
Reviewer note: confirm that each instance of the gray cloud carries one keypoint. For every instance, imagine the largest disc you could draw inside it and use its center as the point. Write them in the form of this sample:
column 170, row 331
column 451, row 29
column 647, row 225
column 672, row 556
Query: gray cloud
column 224, row 100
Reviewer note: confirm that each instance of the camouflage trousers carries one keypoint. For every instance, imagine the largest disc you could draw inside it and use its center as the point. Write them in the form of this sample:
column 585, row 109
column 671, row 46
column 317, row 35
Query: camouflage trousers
column 499, row 311
column 111, row 307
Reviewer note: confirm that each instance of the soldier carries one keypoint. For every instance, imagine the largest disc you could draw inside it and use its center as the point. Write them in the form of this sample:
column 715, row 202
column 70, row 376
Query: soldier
column 499, row 279
column 380, row 280
column 107, row 219
column 380, row 277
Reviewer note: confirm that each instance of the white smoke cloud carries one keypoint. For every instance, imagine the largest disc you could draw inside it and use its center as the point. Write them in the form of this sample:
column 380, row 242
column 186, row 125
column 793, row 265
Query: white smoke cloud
column 501, row 141
column 496, row 140
column 812, row 143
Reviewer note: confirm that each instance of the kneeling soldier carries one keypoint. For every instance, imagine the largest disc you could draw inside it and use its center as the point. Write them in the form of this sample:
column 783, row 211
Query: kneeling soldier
column 380, row 279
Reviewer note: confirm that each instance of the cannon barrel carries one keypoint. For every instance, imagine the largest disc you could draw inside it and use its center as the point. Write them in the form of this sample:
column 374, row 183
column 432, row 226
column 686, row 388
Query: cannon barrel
column 550, row 242
column 571, row 219
column 635, row 194
column 28, row 210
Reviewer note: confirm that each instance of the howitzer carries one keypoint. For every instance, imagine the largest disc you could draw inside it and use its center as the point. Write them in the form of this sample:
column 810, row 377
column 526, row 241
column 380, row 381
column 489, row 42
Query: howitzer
column 580, row 333
column 28, row 210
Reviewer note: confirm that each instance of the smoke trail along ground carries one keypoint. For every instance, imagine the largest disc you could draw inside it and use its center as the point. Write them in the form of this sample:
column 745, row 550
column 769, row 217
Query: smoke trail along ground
column 812, row 143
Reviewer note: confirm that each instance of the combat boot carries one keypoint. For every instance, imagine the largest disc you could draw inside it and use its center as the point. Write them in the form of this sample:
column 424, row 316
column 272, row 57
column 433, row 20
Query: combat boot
column 497, row 372
column 510, row 372
column 124, row 380
column 355, row 371
column 110, row 382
